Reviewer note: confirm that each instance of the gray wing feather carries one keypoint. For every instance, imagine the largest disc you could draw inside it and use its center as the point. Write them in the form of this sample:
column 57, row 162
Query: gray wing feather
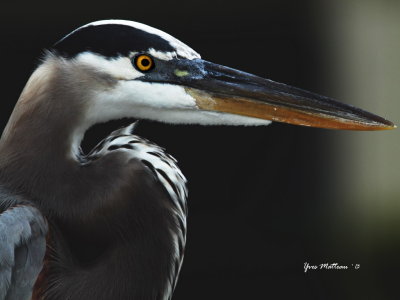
column 22, row 248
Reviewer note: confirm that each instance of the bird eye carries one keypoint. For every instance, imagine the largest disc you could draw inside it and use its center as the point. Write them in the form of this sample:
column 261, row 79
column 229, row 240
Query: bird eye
column 144, row 62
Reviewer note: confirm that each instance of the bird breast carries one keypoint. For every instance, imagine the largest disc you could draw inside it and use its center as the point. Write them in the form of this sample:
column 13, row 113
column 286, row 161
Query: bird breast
column 162, row 165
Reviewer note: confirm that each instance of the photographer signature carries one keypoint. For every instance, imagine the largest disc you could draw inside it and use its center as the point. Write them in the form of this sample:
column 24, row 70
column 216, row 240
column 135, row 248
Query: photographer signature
column 330, row 266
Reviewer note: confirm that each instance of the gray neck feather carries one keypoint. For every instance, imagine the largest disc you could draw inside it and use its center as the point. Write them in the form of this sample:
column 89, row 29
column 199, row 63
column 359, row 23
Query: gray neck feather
column 47, row 125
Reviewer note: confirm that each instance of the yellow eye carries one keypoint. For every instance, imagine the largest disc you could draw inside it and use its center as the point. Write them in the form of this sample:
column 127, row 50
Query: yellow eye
column 144, row 62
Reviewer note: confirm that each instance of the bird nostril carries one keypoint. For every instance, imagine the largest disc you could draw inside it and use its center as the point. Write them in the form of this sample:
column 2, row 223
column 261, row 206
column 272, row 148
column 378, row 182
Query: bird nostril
column 181, row 73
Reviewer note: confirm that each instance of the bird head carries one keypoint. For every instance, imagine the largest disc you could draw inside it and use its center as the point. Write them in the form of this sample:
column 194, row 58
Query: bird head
column 141, row 72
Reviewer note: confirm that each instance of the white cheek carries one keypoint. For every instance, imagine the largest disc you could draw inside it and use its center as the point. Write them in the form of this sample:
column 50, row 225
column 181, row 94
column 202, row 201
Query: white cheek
column 157, row 95
column 119, row 68
column 138, row 100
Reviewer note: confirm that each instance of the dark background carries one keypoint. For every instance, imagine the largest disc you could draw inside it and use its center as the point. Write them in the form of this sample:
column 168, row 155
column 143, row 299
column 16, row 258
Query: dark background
column 263, row 201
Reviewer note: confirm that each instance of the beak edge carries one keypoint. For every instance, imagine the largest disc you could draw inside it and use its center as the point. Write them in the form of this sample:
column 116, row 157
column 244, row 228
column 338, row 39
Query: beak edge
column 278, row 113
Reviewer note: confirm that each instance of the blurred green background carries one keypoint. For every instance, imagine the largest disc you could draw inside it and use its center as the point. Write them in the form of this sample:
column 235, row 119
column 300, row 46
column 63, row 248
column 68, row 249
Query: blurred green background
column 362, row 44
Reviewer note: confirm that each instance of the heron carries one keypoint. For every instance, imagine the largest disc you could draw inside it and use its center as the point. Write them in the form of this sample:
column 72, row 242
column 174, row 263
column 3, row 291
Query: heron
column 111, row 223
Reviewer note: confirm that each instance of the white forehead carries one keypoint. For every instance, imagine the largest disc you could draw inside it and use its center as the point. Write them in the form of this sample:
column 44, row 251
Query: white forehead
column 180, row 48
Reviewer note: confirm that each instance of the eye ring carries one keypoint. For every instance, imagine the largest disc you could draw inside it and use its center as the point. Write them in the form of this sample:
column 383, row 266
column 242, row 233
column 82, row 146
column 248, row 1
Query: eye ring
column 144, row 62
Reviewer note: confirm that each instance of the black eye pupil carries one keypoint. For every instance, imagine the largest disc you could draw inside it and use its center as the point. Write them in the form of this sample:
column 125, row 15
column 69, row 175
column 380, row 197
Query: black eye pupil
column 145, row 62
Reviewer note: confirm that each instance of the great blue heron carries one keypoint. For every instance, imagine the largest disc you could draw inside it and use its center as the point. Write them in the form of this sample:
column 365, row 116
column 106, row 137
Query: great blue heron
column 114, row 221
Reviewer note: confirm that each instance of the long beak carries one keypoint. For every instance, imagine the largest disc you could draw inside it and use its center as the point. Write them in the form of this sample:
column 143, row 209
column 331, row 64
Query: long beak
column 223, row 89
